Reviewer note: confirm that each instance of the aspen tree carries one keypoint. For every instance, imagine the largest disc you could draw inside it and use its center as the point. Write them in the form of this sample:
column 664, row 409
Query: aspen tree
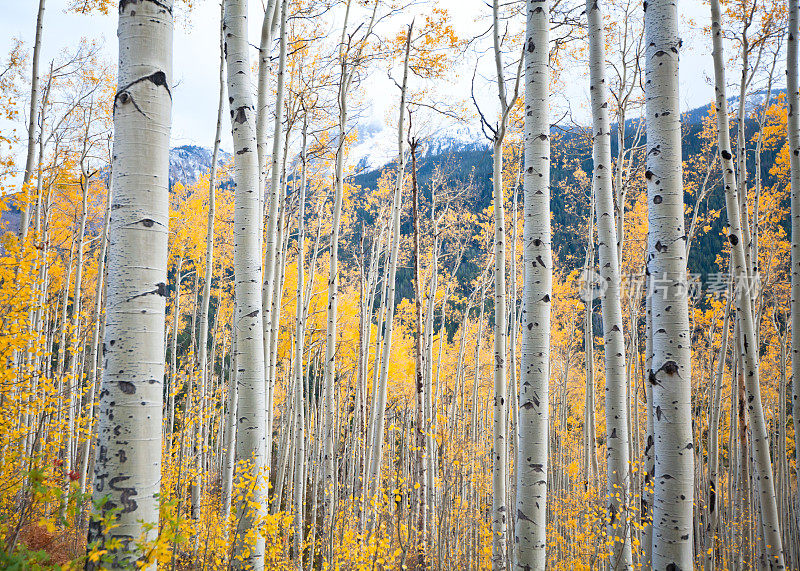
column 349, row 63
column 532, row 456
column 616, row 394
column 202, row 335
column 793, row 135
column 271, row 244
column 95, row 345
column 713, row 502
column 420, row 424
column 670, row 371
column 379, row 403
column 299, row 343
column 128, row 460
column 500, row 444
column 742, row 276
column 33, row 117
column 249, row 356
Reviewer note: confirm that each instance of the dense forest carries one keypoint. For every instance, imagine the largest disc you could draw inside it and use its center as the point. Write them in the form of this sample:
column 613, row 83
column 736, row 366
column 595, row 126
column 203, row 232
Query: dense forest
column 555, row 342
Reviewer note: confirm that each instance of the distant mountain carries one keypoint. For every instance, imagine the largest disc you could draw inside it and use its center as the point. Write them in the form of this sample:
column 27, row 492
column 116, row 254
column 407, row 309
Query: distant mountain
column 189, row 162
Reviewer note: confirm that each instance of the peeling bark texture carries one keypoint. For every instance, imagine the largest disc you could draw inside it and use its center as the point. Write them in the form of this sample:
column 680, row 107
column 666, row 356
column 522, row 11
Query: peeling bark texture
column 762, row 463
column 531, row 526
column 793, row 126
column 670, row 369
column 127, row 474
column 248, row 551
column 616, row 398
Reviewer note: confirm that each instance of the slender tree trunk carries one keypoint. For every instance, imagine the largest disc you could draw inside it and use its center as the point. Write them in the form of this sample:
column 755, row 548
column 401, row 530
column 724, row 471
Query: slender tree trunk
column 670, row 372
column 128, row 461
column 379, row 404
column 616, row 395
column 500, row 444
column 298, row 356
column 271, row 243
column 532, row 456
column 712, row 501
column 33, row 117
column 793, row 127
column 230, row 433
column 202, row 341
column 95, row 346
column 251, row 437
column 420, row 453
column 742, row 275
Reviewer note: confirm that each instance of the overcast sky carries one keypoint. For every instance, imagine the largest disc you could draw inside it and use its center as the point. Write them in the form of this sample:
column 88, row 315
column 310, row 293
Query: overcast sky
column 196, row 56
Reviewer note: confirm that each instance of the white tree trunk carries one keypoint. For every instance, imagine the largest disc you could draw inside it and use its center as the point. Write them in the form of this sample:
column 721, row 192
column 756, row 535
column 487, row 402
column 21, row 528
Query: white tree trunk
column 271, row 243
column 202, row 337
column 616, row 395
column 793, row 127
column 500, row 434
column 670, row 372
column 531, row 525
column 379, row 403
column 95, row 345
column 33, row 116
column 760, row 438
column 128, row 461
column 712, row 501
column 298, row 358
column 249, row 328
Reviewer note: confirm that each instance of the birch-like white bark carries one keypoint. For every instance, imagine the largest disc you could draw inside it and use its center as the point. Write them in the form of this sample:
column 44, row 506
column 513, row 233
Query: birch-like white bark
column 712, row 502
column 33, row 115
column 95, row 345
column 531, row 523
column 128, row 459
column 379, row 403
column 793, row 128
column 670, row 371
column 762, row 462
column 251, row 435
column 299, row 342
column 616, row 395
column 271, row 243
column 202, row 336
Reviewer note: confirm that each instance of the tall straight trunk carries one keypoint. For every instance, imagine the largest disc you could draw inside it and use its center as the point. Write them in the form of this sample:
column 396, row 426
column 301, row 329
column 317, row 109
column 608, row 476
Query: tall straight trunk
column 379, row 404
column 268, row 26
column 793, row 128
column 328, row 462
column 534, row 391
column 420, row 424
column 229, row 462
column 742, row 275
column 128, row 461
column 298, row 355
column 271, row 243
column 616, row 395
column 712, row 501
column 95, row 346
column 202, row 336
column 500, row 432
column 670, row 371
column 74, row 385
column 500, row 429
column 172, row 391
column 33, row 117
column 251, row 436
column 591, row 467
